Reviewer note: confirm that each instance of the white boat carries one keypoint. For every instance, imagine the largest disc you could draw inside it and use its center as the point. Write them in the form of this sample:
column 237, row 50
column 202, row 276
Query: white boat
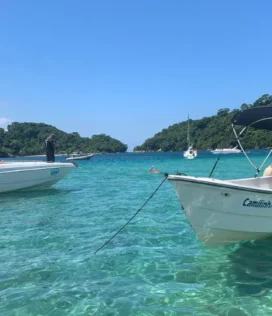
column 225, row 212
column 190, row 153
column 76, row 156
column 27, row 175
column 234, row 150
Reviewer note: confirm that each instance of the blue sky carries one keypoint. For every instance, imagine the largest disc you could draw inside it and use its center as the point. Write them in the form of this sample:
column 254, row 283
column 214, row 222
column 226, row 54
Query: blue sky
column 130, row 68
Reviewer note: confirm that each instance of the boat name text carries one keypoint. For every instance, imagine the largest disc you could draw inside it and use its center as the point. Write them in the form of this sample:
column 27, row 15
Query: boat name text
column 260, row 203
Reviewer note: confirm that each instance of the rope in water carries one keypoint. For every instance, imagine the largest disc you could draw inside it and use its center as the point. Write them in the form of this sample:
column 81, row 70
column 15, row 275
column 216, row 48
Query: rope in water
column 165, row 175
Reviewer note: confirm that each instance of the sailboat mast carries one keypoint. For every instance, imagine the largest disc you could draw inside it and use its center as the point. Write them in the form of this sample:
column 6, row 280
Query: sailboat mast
column 188, row 133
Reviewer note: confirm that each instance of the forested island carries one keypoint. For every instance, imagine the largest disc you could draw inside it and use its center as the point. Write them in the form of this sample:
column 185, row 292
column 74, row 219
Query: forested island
column 209, row 132
column 24, row 139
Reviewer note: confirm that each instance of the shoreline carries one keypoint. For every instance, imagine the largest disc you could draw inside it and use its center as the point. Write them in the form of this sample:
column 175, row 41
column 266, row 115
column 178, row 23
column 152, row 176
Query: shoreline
column 130, row 152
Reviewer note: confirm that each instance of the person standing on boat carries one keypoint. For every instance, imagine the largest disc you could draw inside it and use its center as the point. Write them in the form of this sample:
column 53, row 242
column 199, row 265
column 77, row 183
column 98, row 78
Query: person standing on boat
column 50, row 148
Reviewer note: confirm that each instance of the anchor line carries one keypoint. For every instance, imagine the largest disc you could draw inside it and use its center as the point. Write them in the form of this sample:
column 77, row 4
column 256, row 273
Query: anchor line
column 138, row 211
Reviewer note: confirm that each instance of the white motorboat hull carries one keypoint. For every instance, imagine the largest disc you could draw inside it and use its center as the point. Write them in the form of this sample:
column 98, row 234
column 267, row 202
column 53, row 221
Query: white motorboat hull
column 189, row 157
column 226, row 212
column 87, row 157
column 27, row 175
column 226, row 151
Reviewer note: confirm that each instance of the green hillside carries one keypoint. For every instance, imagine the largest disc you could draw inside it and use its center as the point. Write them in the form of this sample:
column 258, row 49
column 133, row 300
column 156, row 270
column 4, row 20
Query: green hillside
column 209, row 132
column 22, row 139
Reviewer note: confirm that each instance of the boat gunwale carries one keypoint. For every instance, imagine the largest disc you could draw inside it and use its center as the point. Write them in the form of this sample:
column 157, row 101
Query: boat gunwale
column 14, row 169
column 220, row 183
column 33, row 169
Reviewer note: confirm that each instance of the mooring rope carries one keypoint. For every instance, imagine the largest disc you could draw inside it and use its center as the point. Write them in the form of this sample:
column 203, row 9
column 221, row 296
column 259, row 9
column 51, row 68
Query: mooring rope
column 165, row 175
column 215, row 164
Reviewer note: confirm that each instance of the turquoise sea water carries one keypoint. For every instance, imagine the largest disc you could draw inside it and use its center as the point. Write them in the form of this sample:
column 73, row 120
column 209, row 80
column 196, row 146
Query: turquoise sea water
column 156, row 266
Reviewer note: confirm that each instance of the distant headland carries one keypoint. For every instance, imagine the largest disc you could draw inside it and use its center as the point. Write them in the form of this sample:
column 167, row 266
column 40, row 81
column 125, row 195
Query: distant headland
column 209, row 133
column 27, row 139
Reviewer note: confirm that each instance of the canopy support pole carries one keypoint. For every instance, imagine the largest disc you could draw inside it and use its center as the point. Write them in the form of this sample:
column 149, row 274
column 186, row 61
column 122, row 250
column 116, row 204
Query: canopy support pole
column 242, row 148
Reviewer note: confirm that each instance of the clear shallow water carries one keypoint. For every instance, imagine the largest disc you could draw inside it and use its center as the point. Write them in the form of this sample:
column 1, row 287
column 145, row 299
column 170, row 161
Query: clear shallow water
column 156, row 266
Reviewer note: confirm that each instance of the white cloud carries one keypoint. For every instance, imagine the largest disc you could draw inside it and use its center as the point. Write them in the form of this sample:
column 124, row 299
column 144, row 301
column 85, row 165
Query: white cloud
column 4, row 122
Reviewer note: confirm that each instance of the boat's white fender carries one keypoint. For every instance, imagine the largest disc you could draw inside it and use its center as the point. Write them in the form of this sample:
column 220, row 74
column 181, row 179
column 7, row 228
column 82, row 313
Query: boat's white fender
column 268, row 171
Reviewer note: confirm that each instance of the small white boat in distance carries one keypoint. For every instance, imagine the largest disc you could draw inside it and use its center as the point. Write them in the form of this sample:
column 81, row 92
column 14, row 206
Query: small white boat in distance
column 234, row 150
column 27, row 175
column 76, row 156
column 223, row 212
